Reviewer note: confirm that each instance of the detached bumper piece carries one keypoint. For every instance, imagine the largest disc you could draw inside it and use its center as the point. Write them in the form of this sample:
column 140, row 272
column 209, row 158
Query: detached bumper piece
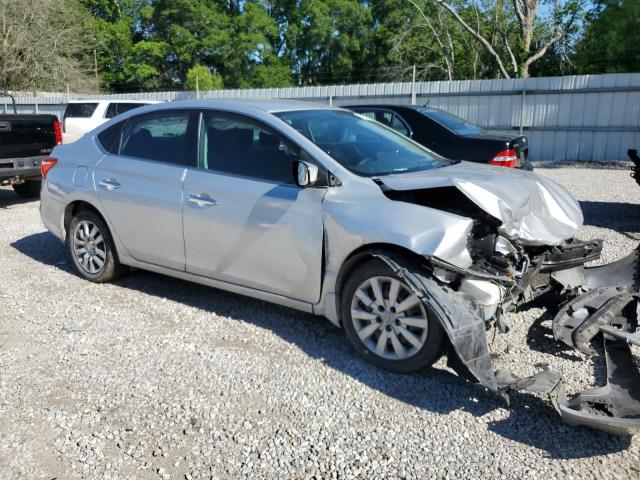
column 615, row 313
column 570, row 255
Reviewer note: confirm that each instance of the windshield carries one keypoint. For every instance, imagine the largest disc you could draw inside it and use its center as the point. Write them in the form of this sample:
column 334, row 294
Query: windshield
column 453, row 123
column 363, row 146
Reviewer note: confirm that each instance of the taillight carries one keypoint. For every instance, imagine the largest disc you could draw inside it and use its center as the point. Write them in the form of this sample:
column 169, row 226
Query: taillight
column 505, row 158
column 57, row 131
column 47, row 164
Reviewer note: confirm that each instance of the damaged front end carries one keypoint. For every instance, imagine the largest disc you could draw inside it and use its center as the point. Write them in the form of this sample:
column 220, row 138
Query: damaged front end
column 518, row 255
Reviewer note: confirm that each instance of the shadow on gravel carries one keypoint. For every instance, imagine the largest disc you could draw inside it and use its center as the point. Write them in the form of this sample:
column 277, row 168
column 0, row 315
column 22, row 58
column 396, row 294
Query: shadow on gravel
column 8, row 197
column 618, row 216
column 540, row 339
column 531, row 421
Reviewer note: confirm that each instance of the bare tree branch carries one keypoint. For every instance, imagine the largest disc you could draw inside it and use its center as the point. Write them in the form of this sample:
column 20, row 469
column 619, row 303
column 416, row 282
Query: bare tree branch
column 487, row 45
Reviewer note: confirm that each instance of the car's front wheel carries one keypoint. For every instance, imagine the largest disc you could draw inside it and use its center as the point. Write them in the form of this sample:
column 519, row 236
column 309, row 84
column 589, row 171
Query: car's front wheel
column 386, row 321
column 92, row 249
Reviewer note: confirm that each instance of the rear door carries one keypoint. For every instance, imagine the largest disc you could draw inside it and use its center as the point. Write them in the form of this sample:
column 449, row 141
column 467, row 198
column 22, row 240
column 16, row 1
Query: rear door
column 140, row 184
column 245, row 220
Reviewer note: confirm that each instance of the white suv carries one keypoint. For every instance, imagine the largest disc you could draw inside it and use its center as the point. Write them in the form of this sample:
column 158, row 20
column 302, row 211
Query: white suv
column 82, row 116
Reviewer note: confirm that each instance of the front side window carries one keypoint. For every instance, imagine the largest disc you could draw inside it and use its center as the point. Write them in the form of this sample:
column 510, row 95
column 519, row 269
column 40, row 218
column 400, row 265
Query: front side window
column 242, row 146
column 159, row 136
column 360, row 145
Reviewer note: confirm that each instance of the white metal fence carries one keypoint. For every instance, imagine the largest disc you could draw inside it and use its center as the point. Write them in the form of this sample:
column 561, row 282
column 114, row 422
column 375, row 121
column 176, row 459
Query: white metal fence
column 588, row 117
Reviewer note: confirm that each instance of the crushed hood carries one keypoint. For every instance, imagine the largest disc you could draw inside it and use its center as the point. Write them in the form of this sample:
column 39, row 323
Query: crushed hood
column 531, row 208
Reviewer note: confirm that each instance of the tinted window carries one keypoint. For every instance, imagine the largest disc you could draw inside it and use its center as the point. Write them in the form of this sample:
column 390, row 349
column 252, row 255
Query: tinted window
column 160, row 136
column 399, row 126
column 453, row 123
column 80, row 110
column 389, row 119
column 117, row 108
column 239, row 145
column 110, row 138
column 364, row 147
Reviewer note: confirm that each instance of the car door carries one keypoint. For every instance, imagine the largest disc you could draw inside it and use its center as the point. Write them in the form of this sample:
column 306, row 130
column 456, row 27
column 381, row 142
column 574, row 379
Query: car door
column 245, row 220
column 140, row 186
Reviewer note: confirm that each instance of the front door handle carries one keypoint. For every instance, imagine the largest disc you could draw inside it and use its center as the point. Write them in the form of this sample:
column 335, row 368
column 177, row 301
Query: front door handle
column 202, row 201
column 109, row 184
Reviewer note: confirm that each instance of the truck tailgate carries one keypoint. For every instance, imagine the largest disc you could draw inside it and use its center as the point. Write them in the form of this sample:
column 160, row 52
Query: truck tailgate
column 26, row 135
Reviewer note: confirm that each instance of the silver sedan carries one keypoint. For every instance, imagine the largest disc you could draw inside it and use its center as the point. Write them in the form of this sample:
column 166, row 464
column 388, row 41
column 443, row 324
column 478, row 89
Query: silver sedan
column 318, row 209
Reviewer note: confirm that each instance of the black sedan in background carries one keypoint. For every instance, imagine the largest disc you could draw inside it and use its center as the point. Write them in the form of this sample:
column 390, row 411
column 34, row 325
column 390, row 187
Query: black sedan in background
column 450, row 136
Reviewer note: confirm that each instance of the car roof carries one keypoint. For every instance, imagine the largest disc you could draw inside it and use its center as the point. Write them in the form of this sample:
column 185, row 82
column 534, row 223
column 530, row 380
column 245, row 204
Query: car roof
column 118, row 100
column 388, row 106
column 268, row 106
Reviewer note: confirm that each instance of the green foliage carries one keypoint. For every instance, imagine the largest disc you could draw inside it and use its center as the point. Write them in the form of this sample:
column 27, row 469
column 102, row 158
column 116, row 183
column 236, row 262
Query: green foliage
column 611, row 42
column 201, row 78
column 164, row 44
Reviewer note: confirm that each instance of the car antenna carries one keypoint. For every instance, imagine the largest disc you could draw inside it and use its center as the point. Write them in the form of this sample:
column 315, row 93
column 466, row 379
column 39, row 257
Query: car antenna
column 426, row 104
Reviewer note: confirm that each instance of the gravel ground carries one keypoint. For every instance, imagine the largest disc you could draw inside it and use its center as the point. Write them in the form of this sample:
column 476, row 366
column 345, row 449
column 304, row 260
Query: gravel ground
column 153, row 377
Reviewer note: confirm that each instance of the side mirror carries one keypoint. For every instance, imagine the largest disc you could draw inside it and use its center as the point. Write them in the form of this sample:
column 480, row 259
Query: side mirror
column 306, row 174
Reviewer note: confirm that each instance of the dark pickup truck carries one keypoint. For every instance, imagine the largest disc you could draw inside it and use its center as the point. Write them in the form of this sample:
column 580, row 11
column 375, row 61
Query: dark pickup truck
column 24, row 141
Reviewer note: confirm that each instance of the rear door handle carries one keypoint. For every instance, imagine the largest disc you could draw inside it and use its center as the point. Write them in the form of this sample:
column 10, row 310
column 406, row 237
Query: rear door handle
column 202, row 201
column 109, row 184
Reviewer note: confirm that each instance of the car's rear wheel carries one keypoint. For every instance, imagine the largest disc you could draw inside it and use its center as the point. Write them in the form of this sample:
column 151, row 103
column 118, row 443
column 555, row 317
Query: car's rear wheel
column 30, row 188
column 387, row 323
column 92, row 249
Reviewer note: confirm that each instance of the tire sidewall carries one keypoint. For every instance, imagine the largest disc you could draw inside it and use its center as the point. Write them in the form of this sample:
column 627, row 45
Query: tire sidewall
column 425, row 357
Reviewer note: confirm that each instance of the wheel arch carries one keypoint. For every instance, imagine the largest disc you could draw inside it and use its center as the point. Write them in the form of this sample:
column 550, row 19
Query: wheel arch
column 73, row 208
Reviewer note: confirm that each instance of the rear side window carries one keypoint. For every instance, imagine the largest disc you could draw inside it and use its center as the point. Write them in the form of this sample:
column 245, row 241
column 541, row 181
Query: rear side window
column 110, row 138
column 117, row 108
column 387, row 118
column 161, row 137
column 80, row 110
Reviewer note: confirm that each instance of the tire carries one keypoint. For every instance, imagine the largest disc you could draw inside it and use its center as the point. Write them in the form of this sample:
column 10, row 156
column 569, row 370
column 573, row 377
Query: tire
column 91, row 248
column 365, row 325
column 28, row 189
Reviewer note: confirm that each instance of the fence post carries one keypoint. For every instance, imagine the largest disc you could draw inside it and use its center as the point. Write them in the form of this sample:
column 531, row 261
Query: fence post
column 331, row 100
column 522, row 105
column 413, row 87
column 37, row 110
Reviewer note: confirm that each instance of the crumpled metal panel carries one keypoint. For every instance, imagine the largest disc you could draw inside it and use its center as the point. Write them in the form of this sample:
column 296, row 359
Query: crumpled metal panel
column 532, row 208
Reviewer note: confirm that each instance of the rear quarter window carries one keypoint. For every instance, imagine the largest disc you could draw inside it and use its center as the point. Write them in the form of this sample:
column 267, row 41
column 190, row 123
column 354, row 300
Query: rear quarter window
column 110, row 138
column 80, row 110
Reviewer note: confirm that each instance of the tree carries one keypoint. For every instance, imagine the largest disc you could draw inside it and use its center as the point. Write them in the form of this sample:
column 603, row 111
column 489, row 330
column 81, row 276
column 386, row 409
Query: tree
column 42, row 45
column 514, row 55
column 200, row 77
column 611, row 40
column 128, row 59
column 329, row 41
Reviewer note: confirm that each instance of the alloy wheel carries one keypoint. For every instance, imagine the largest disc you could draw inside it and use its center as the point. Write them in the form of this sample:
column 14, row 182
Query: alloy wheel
column 89, row 247
column 389, row 318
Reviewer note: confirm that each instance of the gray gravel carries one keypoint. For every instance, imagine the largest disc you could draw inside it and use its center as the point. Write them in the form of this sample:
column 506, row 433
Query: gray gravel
column 153, row 377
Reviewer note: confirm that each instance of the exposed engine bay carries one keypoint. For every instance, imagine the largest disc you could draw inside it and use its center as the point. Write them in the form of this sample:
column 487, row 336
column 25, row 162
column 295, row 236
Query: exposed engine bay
column 515, row 261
